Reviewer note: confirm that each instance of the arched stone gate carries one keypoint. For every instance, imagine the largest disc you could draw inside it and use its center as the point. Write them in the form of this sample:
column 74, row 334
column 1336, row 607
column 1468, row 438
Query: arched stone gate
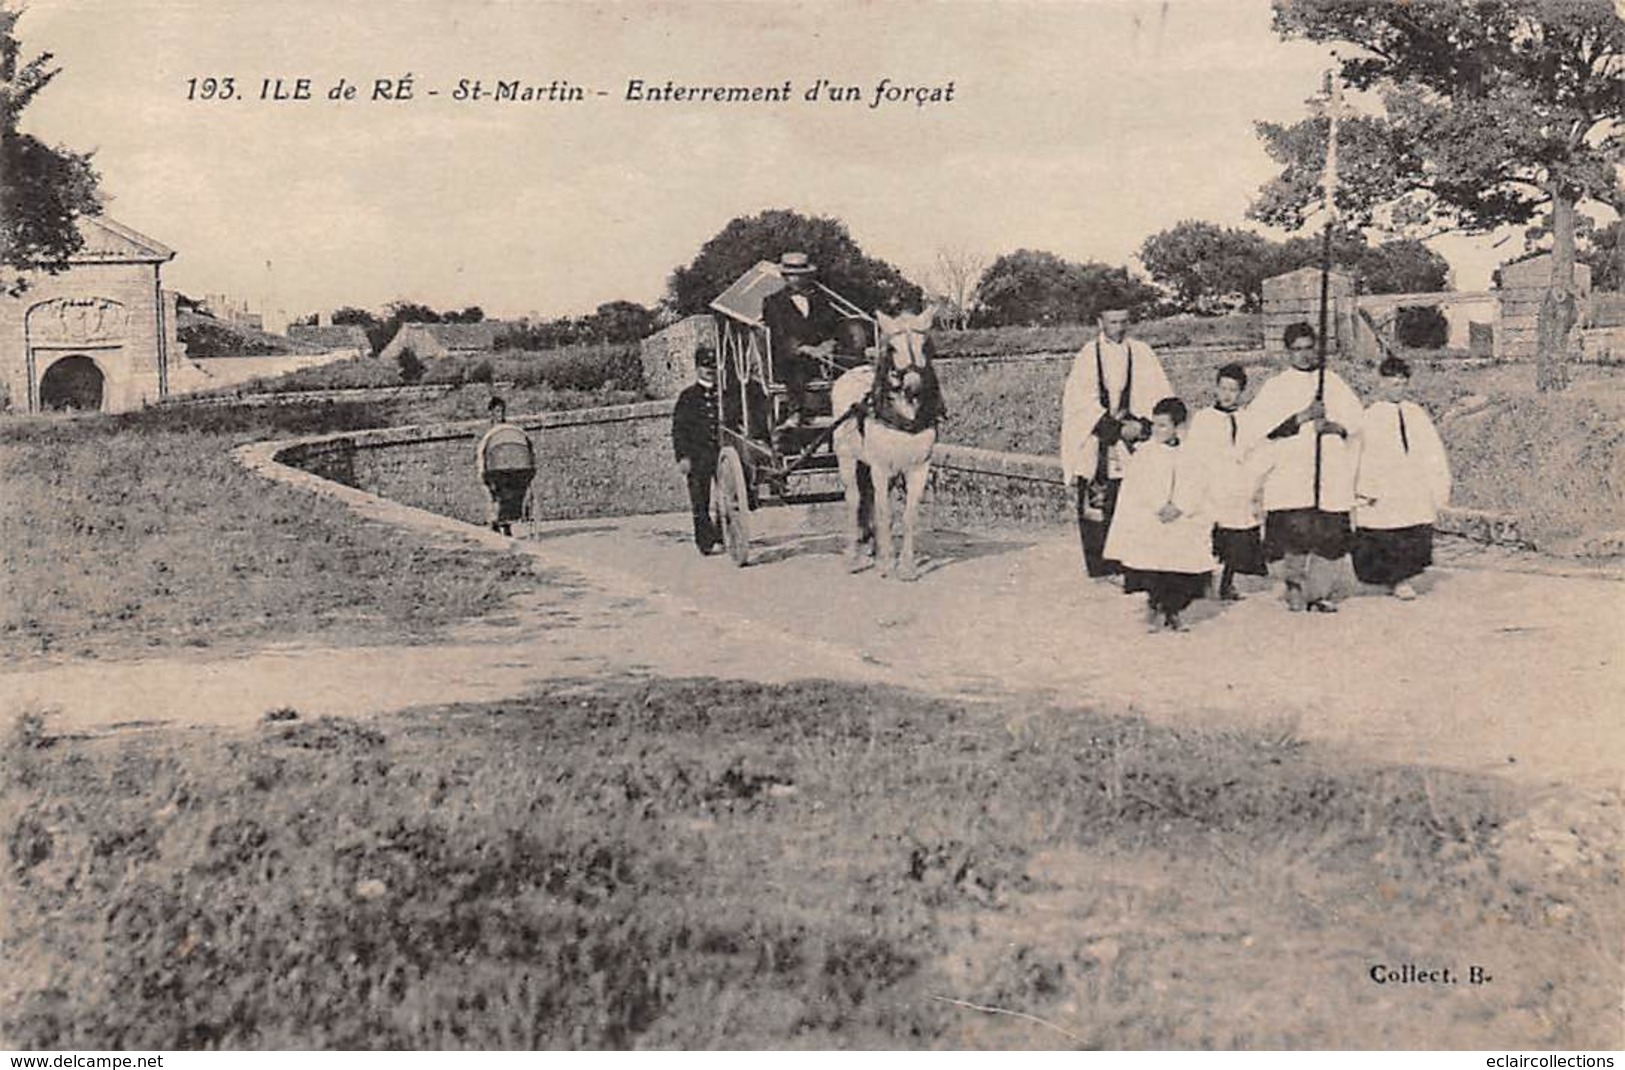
column 99, row 335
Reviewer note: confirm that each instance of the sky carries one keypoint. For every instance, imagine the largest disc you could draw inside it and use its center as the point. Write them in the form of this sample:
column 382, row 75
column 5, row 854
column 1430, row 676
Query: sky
column 1079, row 128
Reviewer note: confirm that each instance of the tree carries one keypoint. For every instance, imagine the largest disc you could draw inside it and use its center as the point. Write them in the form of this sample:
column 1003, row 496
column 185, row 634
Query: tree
column 410, row 312
column 353, row 317
column 43, row 190
column 1421, row 327
column 471, row 314
column 954, row 274
column 1032, row 287
column 842, row 264
column 622, row 321
column 1403, row 265
column 1203, row 264
column 410, row 364
column 1493, row 111
column 1604, row 254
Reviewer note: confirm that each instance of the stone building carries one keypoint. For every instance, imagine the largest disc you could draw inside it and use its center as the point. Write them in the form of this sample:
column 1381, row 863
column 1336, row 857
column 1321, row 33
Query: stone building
column 1295, row 297
column 434, row 341
column 668, row 355
column 98, row 336
column 1522, row 290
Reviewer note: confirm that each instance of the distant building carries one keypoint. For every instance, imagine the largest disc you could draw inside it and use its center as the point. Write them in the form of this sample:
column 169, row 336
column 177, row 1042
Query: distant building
column 433, row 341
column 99, row 336
column 346, row 336
column 231, row 310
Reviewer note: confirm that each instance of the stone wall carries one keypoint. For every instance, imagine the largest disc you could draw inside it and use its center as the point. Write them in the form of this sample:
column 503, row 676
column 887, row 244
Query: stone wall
column 590, row 462
column 1523, row 288
column 1295, row 297
column 668, row 355
column 593, row 462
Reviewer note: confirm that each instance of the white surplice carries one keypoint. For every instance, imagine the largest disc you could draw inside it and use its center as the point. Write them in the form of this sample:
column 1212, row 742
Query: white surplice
column 1081, row 408
column 1234, row 474
column 1409, row 485
column 1289, row 482
column 1156, row 474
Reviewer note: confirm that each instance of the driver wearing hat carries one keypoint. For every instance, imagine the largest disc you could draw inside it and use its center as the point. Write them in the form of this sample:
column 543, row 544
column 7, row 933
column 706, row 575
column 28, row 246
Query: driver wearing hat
column 801, row 323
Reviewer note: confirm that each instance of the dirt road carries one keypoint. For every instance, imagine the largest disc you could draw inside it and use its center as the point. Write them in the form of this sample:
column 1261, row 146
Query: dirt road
column 1490, row 670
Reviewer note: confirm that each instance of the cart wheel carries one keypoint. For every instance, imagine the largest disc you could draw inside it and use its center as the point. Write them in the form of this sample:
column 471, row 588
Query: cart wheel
column 733, row 506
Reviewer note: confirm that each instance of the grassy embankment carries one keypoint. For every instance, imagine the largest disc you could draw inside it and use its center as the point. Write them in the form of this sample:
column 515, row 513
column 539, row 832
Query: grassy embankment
column 133, row 533
column 701, row 864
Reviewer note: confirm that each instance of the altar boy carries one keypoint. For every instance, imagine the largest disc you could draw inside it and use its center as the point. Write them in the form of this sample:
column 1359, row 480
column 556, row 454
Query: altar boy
column 1403, row 479
column 1234, row 482
column 1162, row 530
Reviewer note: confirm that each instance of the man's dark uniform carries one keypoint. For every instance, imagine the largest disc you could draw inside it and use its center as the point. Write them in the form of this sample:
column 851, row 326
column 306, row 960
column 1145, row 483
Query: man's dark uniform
column 694, row 437
column 788, row 328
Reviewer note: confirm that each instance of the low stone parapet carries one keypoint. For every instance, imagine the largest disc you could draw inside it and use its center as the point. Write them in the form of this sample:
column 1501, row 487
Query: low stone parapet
column 969, row 486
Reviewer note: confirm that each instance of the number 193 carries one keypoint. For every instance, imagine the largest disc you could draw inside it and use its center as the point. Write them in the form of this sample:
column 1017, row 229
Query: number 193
column 211, row 88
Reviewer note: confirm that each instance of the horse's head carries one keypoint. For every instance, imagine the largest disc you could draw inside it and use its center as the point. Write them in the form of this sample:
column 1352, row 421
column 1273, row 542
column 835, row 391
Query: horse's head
column 906, row 342
column 906, row 339
column 905, row 391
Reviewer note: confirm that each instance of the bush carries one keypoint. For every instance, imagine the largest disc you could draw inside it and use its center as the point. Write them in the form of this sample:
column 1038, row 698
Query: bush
column 204, row 340
column 1422, row 327
column 482, row 373
column 576, row 368
column 411, row 365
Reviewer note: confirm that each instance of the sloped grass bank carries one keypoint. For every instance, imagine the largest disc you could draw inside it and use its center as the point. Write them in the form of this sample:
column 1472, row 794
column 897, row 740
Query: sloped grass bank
column 703, row 863
column 125, row 534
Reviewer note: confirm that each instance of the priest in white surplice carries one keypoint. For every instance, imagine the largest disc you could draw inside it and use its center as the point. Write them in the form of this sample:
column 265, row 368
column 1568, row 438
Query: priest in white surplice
column 1404, row 478
column 1307, row 504
column 1115, row 382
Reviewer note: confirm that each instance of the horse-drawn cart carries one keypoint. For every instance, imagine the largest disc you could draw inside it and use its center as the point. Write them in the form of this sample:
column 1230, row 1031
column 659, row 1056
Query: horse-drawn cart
column 765, row 452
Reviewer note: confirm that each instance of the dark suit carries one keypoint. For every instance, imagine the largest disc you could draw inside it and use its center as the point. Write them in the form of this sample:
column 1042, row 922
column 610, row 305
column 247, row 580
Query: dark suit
column 694, row 438
column 788, row 328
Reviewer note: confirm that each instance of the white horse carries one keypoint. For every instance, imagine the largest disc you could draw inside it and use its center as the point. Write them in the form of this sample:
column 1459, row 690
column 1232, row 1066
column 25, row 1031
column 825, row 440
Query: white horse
column 892, row 435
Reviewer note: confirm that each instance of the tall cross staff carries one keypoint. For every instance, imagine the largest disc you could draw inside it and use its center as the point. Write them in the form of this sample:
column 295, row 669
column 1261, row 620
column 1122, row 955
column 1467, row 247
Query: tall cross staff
column 1334, row 106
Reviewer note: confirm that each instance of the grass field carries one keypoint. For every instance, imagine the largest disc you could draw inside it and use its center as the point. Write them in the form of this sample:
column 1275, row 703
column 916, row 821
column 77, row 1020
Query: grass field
column 1238, row 330
column 670, row 863
column 128, row 534
column 585, row 368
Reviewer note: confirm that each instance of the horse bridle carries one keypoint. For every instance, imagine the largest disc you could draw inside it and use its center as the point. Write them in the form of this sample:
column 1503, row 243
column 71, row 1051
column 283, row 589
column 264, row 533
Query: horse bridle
column 913, row 346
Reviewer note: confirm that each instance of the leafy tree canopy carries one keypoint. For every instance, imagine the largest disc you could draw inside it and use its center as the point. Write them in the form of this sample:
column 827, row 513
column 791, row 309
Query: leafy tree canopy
column 1491, row 107
column 842, row 264
column 1203, row 264
column 43, row 190
column 1031, row 287
column 1492, row 111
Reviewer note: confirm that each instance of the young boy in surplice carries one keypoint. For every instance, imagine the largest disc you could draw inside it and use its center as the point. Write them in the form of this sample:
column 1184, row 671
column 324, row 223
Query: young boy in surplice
column 1235, row 481
column 1403, row 479
column 1162, row 532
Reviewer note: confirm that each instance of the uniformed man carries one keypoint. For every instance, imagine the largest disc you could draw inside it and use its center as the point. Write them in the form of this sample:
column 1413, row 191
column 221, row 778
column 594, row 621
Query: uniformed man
column 694, row 441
